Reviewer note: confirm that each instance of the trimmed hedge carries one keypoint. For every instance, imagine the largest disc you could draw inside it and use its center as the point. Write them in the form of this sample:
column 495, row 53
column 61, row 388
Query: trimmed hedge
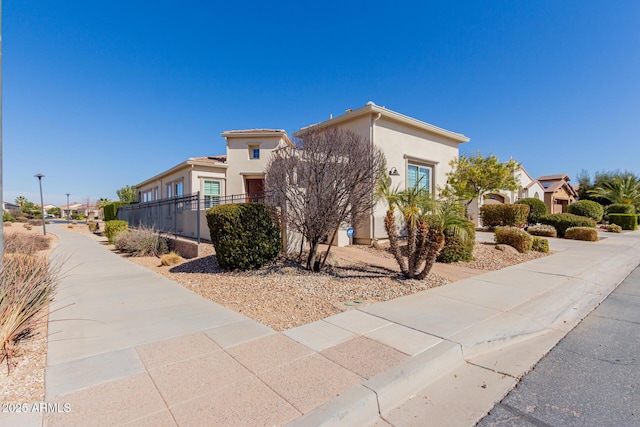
column 246, row 236
column 587, row 234
column 626, row 221
column 562, row 221
column 540, row 245
column 621, row 208
column 514, row 237
column 111, row 210
column 457, row 249
column 537, row 208
column 588, row 208
column 542, row 230
column 113, row 227
column 503, row 215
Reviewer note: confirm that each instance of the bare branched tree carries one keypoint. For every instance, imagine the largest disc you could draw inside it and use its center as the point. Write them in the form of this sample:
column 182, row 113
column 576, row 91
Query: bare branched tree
column 328, row 180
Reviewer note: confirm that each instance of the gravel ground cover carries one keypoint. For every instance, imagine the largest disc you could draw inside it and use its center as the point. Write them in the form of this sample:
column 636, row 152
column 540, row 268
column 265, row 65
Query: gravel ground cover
column 24, row 382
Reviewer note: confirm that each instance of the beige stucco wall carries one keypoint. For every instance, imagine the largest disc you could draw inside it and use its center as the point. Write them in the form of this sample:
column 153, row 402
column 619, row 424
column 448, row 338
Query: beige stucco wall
column 241, row 165
column 192, row 177
column 401, row 144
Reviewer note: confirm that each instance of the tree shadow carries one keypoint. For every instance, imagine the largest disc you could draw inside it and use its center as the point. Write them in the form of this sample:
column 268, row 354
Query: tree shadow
column 208, row 265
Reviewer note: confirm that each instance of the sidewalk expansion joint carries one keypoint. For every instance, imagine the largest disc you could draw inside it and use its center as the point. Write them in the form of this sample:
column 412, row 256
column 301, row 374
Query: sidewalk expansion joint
column 146, row 370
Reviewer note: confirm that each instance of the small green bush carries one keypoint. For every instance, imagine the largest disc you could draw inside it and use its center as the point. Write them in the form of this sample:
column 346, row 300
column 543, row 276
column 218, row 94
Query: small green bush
column 542, row 230
column 457, row 249
column 562, row 221
column 587, row 234
column 113, row 227
column 626, row 221
column 537, row 208
column 621, row 208
column 614, row 228
column 245, row 236
column 111, row 211
column 588, row 208
column 142, row 242
column 6, row 217
column 514, row 237
column 502, row 215
column 540, row 245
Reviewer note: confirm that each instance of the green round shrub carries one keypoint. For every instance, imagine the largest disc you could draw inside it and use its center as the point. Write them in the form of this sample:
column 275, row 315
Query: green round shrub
column 514, row 237
column 456, row 248
column 246, row 236
column 588, row 208
column 562, row 221
column 537, row 208
column 542, row 230
column 614, row 228
column 112, row 228
column 540, row 245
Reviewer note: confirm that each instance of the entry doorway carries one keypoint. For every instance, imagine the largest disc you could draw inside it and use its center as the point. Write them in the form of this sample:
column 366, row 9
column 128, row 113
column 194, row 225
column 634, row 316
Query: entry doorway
column 255, row 190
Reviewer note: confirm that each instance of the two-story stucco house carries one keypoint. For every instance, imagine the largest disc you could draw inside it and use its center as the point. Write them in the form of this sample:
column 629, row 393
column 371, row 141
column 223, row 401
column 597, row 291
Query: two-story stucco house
column 417, row 153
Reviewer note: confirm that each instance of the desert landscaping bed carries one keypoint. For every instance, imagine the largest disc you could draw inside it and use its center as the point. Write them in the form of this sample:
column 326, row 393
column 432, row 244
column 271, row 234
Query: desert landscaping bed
column 24, row 383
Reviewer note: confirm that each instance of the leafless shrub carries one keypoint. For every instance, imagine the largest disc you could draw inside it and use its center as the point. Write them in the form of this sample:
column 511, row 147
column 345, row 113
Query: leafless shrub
column 25, row 243
column 326, row 181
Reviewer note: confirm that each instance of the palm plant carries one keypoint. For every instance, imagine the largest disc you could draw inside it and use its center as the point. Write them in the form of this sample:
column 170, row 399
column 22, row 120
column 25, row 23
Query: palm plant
column 621, row 189
column 21, row 200
column 425, row 221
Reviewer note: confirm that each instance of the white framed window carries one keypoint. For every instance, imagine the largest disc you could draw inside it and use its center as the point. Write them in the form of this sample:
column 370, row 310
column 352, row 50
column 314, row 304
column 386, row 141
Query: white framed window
column 419, row 176
column 169, row 190
column 179, row 189
column 211, row 193
column 155, row 193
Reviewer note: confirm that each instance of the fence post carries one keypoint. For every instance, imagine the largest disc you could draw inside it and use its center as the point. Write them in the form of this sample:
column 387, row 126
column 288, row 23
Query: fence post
column 175, row 219
column 198, row 216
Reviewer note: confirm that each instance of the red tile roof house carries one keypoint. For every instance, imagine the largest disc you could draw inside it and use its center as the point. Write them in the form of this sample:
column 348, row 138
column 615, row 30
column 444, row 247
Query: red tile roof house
column 412, row 148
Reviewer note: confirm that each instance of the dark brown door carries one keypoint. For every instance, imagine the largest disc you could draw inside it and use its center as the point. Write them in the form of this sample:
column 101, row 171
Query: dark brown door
column 255, row 190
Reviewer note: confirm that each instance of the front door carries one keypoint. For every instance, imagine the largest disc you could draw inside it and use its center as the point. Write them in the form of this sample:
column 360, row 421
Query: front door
column 255, row 190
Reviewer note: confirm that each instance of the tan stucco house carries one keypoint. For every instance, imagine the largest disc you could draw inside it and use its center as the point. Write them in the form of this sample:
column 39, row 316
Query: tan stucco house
column 527, row 188
column 417, row 153
column 558, row 193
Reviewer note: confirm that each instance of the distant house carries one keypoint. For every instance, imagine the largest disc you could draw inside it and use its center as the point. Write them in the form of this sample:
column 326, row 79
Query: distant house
column 8, row 206
column 527, row 188
column 558, row 193
column 417, row 153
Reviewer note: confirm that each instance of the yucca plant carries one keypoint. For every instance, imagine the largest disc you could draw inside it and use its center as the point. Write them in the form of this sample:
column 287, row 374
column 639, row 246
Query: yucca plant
column 424, row 221
column 27, row 287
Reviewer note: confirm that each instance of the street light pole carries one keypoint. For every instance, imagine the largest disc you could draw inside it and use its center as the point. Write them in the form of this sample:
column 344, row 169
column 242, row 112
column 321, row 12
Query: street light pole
column 67, row 208
column 44, row 228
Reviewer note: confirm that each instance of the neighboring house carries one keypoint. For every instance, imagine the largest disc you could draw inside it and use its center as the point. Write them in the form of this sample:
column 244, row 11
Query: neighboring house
column 7, row 206
column 527, row 188
column 417, row 153
column 558, row 193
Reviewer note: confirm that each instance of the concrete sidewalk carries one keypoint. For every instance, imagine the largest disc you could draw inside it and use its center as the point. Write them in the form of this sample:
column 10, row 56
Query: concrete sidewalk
column 134, row 348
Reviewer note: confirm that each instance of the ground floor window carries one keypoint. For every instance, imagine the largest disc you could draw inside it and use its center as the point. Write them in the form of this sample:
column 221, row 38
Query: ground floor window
column 211, row 194
column 419, row 176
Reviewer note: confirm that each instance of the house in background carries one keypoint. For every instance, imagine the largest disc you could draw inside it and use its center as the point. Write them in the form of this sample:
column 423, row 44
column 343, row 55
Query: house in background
column 527, row 188
column 558, row 193
column 417, row 153
column 8, row 206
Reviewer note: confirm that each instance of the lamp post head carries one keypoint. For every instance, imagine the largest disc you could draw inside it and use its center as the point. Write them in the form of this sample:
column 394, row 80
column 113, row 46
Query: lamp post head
column 39, row 176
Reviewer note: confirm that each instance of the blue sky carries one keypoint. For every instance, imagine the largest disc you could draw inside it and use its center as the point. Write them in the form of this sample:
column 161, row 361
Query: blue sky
column 98, row 95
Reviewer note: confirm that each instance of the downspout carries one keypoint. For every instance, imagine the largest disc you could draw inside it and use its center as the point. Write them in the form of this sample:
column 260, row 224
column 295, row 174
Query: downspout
column 372, row 233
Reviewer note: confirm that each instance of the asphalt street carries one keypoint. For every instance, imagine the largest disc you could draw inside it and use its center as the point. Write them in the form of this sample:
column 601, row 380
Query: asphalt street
column 591, row 378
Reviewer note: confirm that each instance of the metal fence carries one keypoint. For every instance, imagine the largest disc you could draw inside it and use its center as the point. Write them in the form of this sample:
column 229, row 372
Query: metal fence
column 181, row 216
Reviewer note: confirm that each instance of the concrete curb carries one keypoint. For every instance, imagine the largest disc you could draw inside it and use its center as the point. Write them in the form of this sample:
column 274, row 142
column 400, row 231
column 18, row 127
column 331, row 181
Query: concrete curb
column 363, row 404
